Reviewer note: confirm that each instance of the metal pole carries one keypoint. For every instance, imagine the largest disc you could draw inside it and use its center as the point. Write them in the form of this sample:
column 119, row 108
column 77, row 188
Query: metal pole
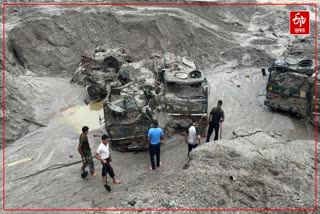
column 220, row 130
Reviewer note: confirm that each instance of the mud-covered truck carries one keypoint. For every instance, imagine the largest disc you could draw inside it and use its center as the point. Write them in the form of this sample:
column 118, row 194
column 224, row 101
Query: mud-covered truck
column 186, row 91
column 293, row 86
column 293, row 82
column 127, row 116
column 128, row 91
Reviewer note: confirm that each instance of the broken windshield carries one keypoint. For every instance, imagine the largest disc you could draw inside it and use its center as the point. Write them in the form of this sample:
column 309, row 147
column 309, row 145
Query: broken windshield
column 185, row 90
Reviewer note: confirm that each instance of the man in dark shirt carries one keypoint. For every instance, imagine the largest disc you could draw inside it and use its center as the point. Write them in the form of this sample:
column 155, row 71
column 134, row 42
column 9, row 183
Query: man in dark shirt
column 85, row 151
column 216, row 116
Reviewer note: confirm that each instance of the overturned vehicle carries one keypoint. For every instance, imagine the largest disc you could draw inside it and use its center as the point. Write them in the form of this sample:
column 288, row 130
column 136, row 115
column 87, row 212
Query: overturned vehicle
column 186, row 90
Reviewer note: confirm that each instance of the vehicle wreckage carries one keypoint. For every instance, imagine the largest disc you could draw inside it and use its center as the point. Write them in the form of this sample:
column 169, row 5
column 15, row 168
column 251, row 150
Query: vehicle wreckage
column 128, row 115
column 293, row 85
column 186, row 90
column 134, row 94
column 99, row 70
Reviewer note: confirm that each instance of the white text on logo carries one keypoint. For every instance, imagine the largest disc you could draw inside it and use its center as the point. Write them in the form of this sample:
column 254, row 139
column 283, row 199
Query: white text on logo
column 299, row 20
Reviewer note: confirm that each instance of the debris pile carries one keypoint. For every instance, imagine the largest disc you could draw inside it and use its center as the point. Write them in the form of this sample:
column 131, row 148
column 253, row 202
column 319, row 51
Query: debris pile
column 101, row 69
column 135, row 93
column 130, row 91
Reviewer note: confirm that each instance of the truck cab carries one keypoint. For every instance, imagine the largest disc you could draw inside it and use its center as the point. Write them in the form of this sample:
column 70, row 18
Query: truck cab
column 127, row 117
column 289, row 85
column 186, row 92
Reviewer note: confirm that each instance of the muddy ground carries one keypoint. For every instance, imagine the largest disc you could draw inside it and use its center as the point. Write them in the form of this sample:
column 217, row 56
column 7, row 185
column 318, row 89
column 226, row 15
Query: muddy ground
column 231, row 45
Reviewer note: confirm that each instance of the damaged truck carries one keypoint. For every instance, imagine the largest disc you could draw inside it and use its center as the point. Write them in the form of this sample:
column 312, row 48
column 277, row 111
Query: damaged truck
column 98, row 70
column 293, row 86
column 127, row 116
column 126, row 88
column 128, row 108
column 170, row 88
column 186, row 90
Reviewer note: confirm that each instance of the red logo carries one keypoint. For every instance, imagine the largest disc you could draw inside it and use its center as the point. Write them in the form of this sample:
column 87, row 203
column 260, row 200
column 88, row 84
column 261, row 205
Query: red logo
column 299, row 22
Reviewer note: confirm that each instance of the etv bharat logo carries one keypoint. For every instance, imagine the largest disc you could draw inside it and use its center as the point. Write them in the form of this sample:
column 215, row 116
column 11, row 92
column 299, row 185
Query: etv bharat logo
column 299, row 22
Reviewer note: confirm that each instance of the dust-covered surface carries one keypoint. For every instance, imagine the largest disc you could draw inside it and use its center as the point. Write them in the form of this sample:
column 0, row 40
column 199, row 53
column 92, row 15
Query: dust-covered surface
column 247, row 171
column 230, row 44
column 254, row 169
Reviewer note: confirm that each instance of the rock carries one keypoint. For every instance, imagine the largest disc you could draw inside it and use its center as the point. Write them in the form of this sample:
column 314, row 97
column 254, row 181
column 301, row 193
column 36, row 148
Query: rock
column 132, row 202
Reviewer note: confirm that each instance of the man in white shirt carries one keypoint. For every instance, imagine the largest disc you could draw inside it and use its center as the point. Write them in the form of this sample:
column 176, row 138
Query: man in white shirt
column 104, row 156
column 192, row 136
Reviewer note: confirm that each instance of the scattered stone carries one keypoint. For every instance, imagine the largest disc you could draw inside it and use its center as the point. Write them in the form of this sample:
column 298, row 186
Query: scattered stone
column 132, row 202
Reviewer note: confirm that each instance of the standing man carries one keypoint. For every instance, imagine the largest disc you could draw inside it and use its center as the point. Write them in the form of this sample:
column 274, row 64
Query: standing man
column 104, row 156
column 154, row 135
column 192, row 136
column 85, row 151
column 216, row 116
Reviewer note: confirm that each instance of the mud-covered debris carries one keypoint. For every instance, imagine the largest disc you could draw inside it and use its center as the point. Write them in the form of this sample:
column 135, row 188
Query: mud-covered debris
column 99, row 70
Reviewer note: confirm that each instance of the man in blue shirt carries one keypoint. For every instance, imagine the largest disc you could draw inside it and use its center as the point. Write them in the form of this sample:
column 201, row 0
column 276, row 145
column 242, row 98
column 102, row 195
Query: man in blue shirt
column 154, row 135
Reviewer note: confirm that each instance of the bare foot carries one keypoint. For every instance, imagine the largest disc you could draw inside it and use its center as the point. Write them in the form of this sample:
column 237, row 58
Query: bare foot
column 117, row 182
